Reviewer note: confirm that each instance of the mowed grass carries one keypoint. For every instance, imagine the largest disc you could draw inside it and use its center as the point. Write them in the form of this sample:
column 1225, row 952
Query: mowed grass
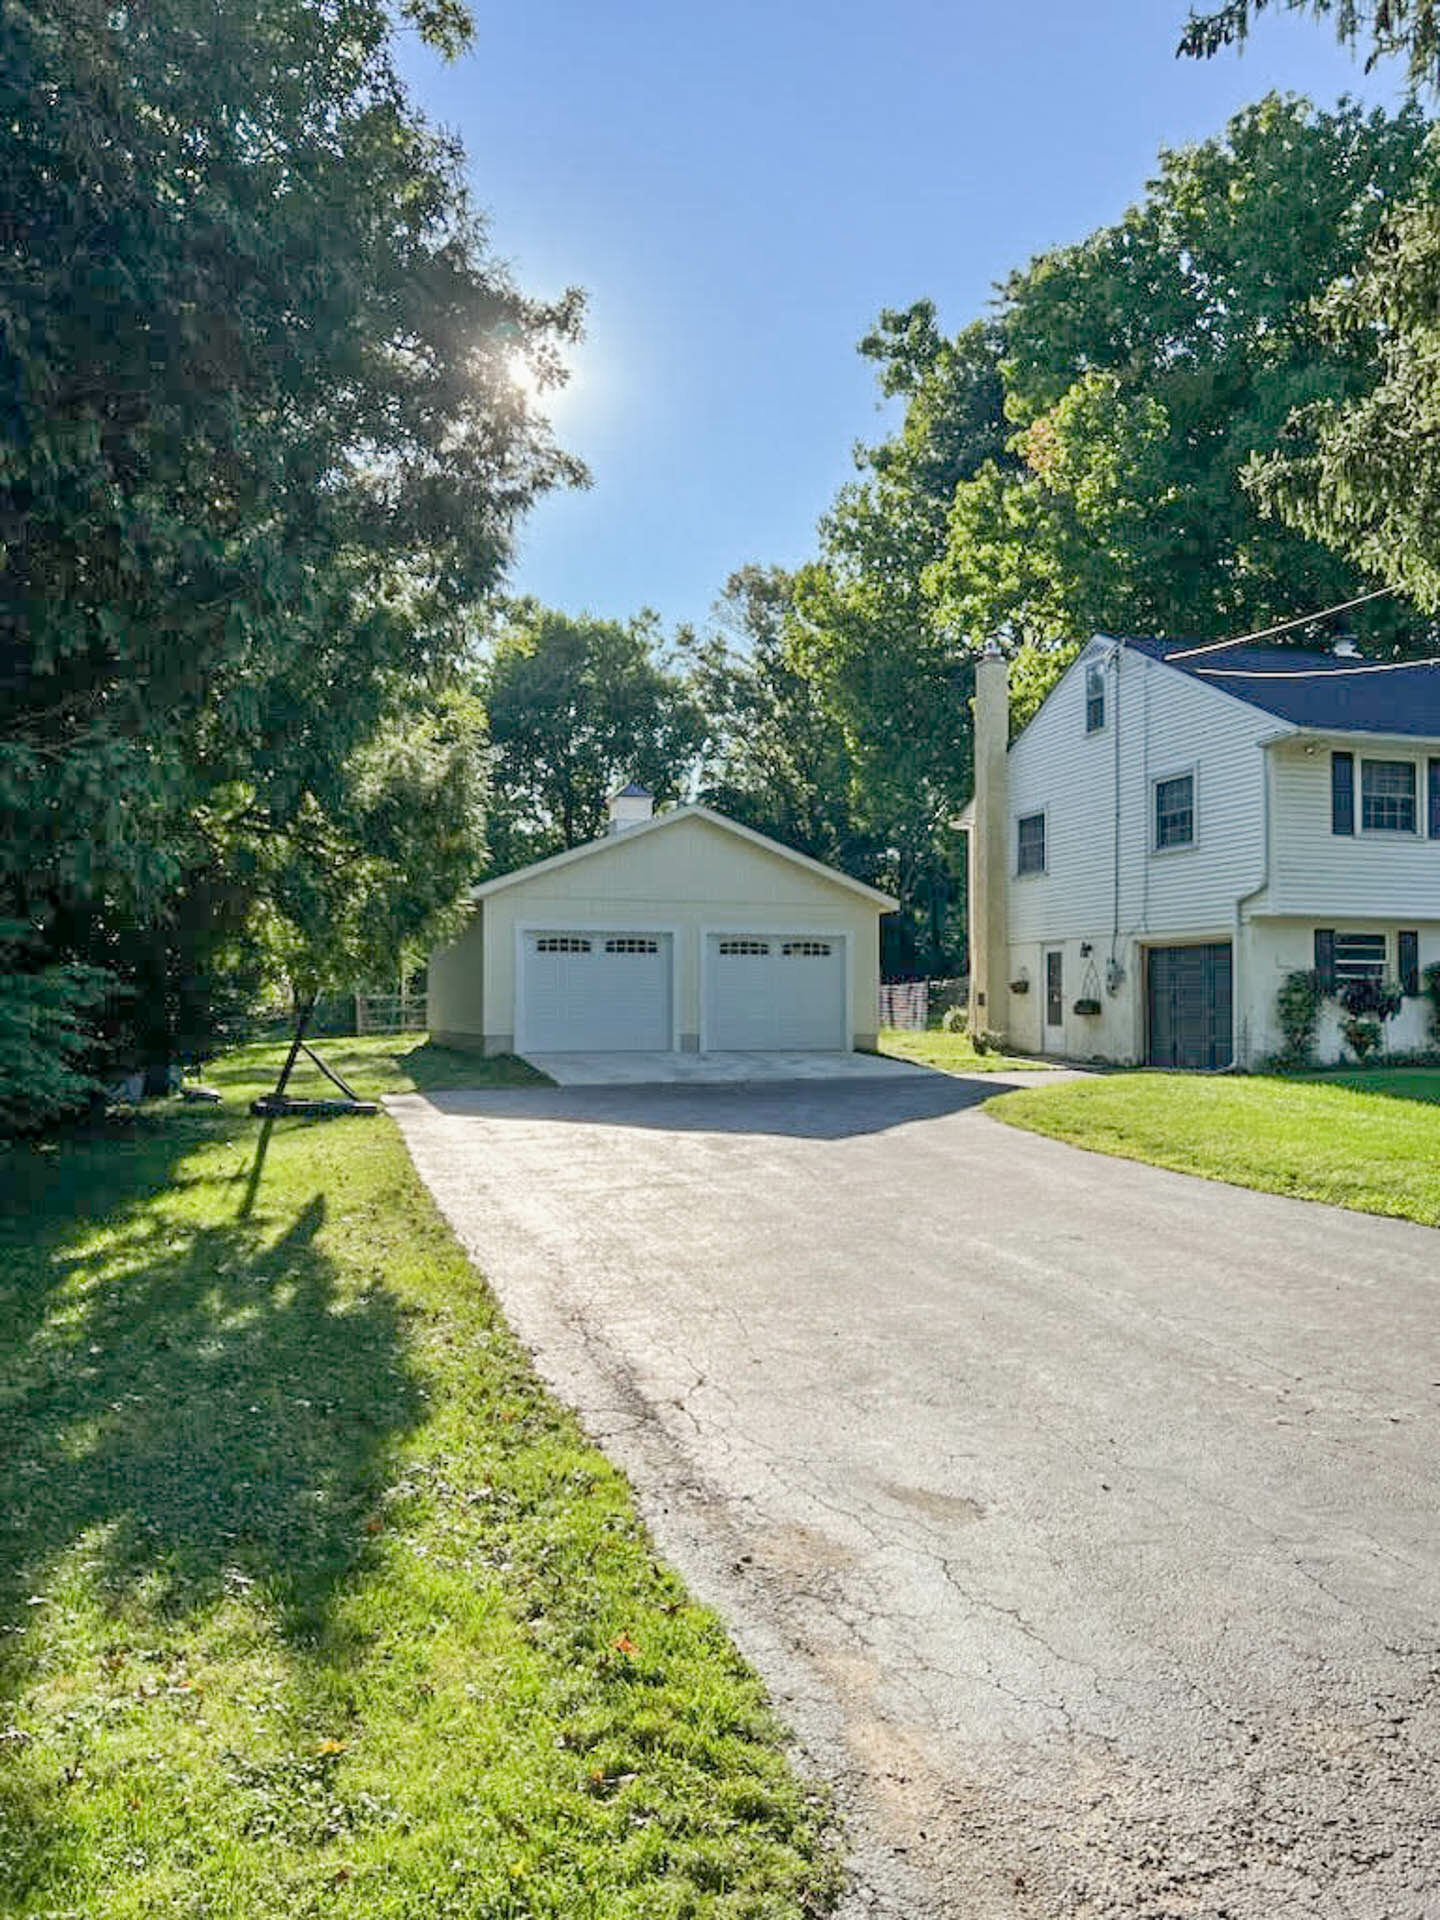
column 311, row 1600
column 951, row 1052
column 1369, row 1141
column 374, row 1065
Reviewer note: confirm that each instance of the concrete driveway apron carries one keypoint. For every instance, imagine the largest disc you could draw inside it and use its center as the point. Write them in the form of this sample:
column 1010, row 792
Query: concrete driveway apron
column 1082, row 1517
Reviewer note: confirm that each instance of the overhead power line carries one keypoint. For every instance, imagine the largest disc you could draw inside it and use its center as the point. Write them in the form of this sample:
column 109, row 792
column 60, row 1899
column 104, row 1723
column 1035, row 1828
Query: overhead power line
column 1284, row 626
column 1311, row 673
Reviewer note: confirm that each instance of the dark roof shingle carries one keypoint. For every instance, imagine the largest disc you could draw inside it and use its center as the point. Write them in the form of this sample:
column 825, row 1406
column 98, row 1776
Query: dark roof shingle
column 1321, row 690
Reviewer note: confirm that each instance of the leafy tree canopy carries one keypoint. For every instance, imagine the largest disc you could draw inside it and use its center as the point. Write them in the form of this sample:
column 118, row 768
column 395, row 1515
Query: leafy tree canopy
column 577, row 708
column 1146, row 367
column 775, row 757
column 261, row 450
column 1408, row 30
column 1362, row 473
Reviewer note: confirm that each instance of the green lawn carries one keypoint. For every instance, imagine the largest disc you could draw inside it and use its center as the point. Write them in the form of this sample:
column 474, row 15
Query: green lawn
column 1370, row 1140
column 311, row 1600
column 950, row 1052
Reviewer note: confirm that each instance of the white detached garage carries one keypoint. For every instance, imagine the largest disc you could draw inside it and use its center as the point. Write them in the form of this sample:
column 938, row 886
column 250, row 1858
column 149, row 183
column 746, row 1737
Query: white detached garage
column 678, row 931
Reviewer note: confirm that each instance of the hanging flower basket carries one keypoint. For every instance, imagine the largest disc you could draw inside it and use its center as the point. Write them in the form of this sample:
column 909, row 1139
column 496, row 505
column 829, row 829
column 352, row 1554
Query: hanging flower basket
column 1086, row 1006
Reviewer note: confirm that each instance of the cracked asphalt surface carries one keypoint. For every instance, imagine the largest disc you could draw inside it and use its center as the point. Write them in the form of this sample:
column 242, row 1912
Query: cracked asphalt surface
column 1082, row 1517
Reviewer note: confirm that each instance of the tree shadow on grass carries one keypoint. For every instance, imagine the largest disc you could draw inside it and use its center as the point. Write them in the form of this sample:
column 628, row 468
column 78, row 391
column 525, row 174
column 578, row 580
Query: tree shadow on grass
column 202, row 1403
column 1416, row 1086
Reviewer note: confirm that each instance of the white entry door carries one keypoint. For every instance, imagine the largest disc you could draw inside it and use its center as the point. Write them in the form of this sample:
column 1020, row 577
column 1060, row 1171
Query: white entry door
column 775, row 991
column 595, row 992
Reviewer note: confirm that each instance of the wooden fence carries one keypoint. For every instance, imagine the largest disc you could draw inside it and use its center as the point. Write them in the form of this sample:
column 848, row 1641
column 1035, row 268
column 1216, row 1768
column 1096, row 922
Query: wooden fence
column 390, row 1013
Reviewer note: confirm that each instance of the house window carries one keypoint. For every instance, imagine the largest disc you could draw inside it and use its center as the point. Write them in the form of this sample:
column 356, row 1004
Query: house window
column 1175, row 812
column 1030, row 856
column 1387, row 796
column 1094, row 699
column 1359, row 956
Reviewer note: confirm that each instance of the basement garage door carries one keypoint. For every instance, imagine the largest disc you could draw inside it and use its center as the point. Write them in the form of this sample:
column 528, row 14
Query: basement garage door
column 595, row 992
column 780, row 991
column 1188, row 990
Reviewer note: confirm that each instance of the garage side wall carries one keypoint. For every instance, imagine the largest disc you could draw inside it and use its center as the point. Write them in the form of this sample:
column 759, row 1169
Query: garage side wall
column 456, row 987
column 687, row 880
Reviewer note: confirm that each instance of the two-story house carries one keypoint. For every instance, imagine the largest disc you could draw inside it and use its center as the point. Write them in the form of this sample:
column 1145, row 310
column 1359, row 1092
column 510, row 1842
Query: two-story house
column 1177, row 829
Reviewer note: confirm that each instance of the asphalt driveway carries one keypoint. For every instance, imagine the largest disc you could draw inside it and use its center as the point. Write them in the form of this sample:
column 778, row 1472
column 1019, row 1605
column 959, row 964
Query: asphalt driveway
column 1083, row 1517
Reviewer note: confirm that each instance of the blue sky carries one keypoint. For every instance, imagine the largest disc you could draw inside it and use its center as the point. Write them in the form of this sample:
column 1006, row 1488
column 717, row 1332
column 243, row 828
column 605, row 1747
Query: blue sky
column 741, row 189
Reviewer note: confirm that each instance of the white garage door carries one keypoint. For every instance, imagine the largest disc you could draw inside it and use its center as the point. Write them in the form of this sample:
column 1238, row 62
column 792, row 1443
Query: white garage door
column 595, row 993
column 775, row 990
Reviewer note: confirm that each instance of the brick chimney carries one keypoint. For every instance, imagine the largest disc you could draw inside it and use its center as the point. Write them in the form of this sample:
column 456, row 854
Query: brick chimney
column 990, row 846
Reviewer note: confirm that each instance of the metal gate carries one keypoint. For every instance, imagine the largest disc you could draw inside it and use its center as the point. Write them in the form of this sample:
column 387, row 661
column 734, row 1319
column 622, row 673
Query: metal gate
column 1189, row 1005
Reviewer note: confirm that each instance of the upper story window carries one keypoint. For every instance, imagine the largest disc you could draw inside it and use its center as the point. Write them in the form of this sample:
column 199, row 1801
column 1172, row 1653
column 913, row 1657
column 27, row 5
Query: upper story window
column 1387, row 796
column 1175, row 812
column 1094, row 698
column 1030, row 852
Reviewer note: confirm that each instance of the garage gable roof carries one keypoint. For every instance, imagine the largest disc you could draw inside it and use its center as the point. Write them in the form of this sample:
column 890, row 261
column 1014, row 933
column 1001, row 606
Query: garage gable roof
column 693, row 811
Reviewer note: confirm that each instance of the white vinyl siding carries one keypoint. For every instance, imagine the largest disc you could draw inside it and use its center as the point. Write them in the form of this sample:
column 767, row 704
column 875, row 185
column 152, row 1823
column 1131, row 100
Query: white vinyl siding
column 1165, row 721
column 1346, row 877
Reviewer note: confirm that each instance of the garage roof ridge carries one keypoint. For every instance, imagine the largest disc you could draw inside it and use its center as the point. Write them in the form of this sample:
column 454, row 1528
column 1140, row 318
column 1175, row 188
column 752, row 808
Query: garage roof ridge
column 690, row 810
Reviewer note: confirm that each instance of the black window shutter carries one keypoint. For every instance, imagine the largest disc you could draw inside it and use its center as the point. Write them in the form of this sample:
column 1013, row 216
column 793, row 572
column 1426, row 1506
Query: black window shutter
column 1409, row 959
column 1342, row 793
column 1325, row 957
column 1434, row 808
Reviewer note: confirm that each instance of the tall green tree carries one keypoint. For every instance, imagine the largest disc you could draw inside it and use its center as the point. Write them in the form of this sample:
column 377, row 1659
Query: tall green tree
column 1363, row 473
column 886, row 662
column 775, row 756
column 1358, row 470
column 578, row 707
column 1145, row 368
column 261, row 449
